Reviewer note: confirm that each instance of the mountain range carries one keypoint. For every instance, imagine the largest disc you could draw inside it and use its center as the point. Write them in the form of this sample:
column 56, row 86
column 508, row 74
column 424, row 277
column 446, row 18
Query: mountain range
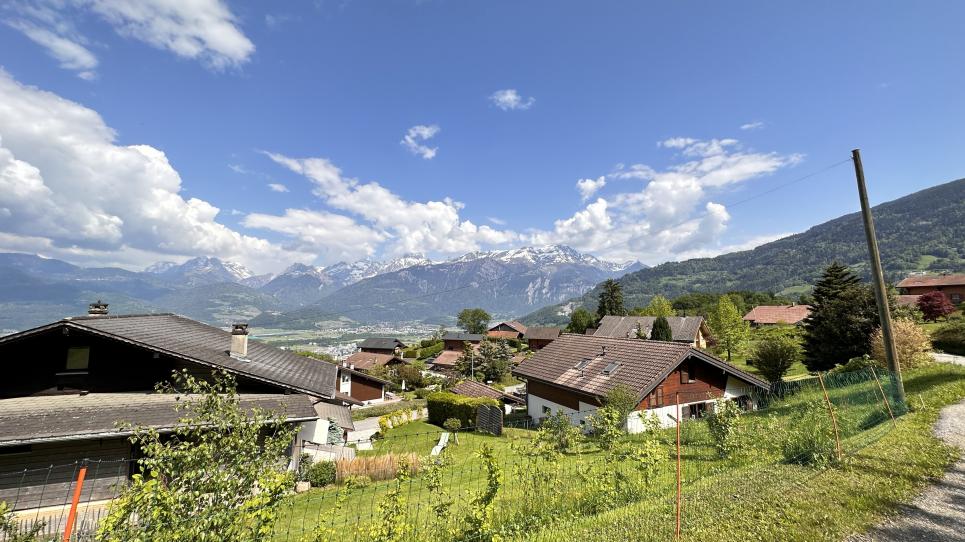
column 923, row 231
column 36, row 290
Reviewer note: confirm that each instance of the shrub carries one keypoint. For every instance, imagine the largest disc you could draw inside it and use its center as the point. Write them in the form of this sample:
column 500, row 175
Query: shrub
column 911, row 342
column 556, row 434
column 809, row 439
column 607, row 425
column 422, row 393
column 452, row 424
column 357, row 482
column 950, row 338
column 855, row 364
column 935, row 305
column 321, row 473
column 444, row 405
column 774, row 356
column 724, row 426
column 430, row 351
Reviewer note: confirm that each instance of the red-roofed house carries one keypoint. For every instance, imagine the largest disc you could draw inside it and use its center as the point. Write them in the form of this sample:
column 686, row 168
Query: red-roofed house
column 952, row 286
column 769, row 315
column 507, row 330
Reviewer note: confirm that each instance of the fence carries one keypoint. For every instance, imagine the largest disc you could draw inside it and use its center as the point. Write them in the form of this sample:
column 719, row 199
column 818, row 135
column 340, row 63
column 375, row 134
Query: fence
column 526, row 483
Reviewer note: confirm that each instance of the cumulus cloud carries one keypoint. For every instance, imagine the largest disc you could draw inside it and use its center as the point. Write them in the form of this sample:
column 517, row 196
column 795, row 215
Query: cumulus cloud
column 204, row 30
column 72, row 191
column 588, row 187
column 332, row 237
column 671, row 215
column 277, row 187
column 509, row 99
column 415, row 138
column 756, row 125
column 406, row 226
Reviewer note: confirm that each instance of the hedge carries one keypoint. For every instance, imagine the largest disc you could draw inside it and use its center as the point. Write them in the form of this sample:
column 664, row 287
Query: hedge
column 950, row 338
column 321, row 474
column 431, row 350
column 444, row 405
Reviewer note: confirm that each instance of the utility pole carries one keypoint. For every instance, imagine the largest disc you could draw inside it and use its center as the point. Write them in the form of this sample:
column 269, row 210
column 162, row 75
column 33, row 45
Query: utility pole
column 884, row 312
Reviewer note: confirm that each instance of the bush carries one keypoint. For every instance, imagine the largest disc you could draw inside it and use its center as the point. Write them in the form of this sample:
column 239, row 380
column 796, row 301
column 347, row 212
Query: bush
column 422, row 393
column 911, row 342
column 321, row 473
column 444, row 405
column 556, row 434
column 607, row 425
column 774, row 356
column 856, row 364
column 357, row 482
column 452, row 424
column 724, row 425
column 431, row 351
column 950, row 338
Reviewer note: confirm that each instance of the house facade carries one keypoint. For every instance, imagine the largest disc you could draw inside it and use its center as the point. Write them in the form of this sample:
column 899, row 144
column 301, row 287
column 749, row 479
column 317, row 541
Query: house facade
column 574, row 374
column 539, row 337
column 363, row 388
column 507, row 330
column 952, row 286
column 692, row 330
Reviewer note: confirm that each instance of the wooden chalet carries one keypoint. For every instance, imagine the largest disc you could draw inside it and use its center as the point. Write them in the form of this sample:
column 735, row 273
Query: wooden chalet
column 538, row 337
column 507, row 330
column 692, row 330
column 952, row 286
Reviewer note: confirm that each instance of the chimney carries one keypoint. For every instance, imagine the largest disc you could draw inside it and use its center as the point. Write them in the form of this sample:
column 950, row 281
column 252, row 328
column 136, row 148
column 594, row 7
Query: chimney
column 239, row 340
column 97, row 309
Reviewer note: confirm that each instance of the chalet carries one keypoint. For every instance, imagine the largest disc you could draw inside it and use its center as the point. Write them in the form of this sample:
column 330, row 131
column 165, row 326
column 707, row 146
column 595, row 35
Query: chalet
column 685, row 329
column 908, row 301
column 953, row 286
column 359, row 388
column 454, row 340
column 471, row 388
column 538, row 337
column 574, row 373
column 507, row 330
column 366, row 361
column 770, row 315
column 445, row 362
column 381, row 345
column 68, row 383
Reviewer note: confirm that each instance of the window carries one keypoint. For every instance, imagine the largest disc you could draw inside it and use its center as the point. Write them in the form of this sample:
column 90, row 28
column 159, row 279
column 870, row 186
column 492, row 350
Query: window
column 547, row 410
column 582, row 365
column 78, row 358
column 956, row 298
column 656, row 398
column 611, row 368
column 687, row 370
column 346, row 378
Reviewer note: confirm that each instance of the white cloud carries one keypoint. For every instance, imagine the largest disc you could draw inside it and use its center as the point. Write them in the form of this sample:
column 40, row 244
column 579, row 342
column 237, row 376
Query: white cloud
column 204, row 30
column 671, row 215
column 416, row 136
column 332, row 237
column 509, row 99
column 496, row 221
column 588, row 187
column 74, row 192
column 407, row 226
column 756, row 125
column 277, row 187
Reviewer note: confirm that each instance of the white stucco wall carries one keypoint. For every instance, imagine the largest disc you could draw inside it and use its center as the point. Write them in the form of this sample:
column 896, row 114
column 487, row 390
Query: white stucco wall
column 535, row 404
column 314, row 431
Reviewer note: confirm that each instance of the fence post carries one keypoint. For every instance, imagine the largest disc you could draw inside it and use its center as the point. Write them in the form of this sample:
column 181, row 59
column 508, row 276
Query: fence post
column 884, row 397
column 677, row 401
column 72, row 517
column 834, row 421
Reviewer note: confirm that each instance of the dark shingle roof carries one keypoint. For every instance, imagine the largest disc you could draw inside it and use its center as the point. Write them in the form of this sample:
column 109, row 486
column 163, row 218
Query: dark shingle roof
column 684, row 328
column 543, row 333
column 206, row 345
column 341, row 415
column 77, row 417
column 382, row 343
column 460, row 336
column 471, row 388
column 642, row 364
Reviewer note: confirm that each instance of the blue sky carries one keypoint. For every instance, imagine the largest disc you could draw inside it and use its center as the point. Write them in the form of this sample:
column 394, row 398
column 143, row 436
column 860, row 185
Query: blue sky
column 681, row 108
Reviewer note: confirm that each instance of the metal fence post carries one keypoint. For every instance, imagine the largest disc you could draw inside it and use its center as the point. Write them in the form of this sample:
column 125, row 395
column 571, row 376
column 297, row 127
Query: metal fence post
column 834, row 421
column 72, row 517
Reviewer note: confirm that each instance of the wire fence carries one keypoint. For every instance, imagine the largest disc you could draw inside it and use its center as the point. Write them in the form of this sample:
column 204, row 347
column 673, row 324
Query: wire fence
column 529, row 482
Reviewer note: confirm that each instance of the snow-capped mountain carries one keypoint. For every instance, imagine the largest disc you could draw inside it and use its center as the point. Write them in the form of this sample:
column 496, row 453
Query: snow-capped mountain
column 159, row 267
column 201, row 270
column 550, row 255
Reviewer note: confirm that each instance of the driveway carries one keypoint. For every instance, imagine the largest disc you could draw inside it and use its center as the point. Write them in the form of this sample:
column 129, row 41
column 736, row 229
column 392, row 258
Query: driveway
column 948, row 358
column 938, row 514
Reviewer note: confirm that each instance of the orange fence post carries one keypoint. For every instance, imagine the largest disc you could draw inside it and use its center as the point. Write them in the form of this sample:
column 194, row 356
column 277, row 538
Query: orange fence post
column 834, row 421
column 884, row 397
column 72, row 517
column 677, row 400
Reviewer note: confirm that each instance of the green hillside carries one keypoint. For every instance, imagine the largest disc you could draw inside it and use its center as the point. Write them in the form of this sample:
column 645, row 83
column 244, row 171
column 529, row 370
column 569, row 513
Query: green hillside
column 921, row 231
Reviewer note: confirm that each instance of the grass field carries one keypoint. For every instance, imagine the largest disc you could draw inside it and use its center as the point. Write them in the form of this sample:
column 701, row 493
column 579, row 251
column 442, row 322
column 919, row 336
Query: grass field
column 765, row 498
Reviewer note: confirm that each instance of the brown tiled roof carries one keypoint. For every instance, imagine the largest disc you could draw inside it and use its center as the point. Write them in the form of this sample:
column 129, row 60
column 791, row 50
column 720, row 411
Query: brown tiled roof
column 367, row 360
column 932, row 280
column 77, row 417
column 447, row 358
column 775, row 314
column 683, row 328
column 642, row 364
column 503, row 334
column 908, row 300
column 471, row 388
column 543, row 333
column 206, row 345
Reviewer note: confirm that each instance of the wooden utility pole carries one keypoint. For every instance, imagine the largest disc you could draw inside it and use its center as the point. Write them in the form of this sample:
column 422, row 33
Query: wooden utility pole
column 884, row 313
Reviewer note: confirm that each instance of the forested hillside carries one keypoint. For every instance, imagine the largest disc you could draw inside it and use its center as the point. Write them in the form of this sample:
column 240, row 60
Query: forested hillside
column 921, row 231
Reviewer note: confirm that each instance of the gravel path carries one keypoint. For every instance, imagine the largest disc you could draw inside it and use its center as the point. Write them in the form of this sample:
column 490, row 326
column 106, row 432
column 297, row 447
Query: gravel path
column 948, row 358
column 938, row 514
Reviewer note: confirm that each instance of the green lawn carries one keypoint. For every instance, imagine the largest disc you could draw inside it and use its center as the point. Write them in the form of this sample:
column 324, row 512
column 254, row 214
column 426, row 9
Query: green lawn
column 379, row 410
column 751, row 496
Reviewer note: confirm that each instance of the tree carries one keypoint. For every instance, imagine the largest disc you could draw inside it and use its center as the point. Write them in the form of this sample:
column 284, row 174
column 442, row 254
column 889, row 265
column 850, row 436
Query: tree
column 935, row 305
column 661, row 330
column 580, row 320
column 611, row 300
column 468, row 362
column 221, row 473
column 494, row 359
column 730, row 329
column 912, row 344
column 474, row 320
column 335, row 435
column 843, row 317
column 775, row 354
column 622, row 398
column 658, row 306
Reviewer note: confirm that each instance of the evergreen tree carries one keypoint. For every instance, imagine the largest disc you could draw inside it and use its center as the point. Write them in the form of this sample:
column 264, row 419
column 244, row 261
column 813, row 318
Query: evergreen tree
column 493, row 360
column 661, row 330
column 611, row 300
column 730, row 329
column 843, row 316
column 580, row 320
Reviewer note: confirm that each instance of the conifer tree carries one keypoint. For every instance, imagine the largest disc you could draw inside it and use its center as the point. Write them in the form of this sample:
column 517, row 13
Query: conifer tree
column 843, row 316
column 611, row 300
column 661, row 330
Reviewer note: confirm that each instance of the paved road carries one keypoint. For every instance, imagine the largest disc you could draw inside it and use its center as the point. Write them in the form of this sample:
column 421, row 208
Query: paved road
column 938, row 515
column 948, row 358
